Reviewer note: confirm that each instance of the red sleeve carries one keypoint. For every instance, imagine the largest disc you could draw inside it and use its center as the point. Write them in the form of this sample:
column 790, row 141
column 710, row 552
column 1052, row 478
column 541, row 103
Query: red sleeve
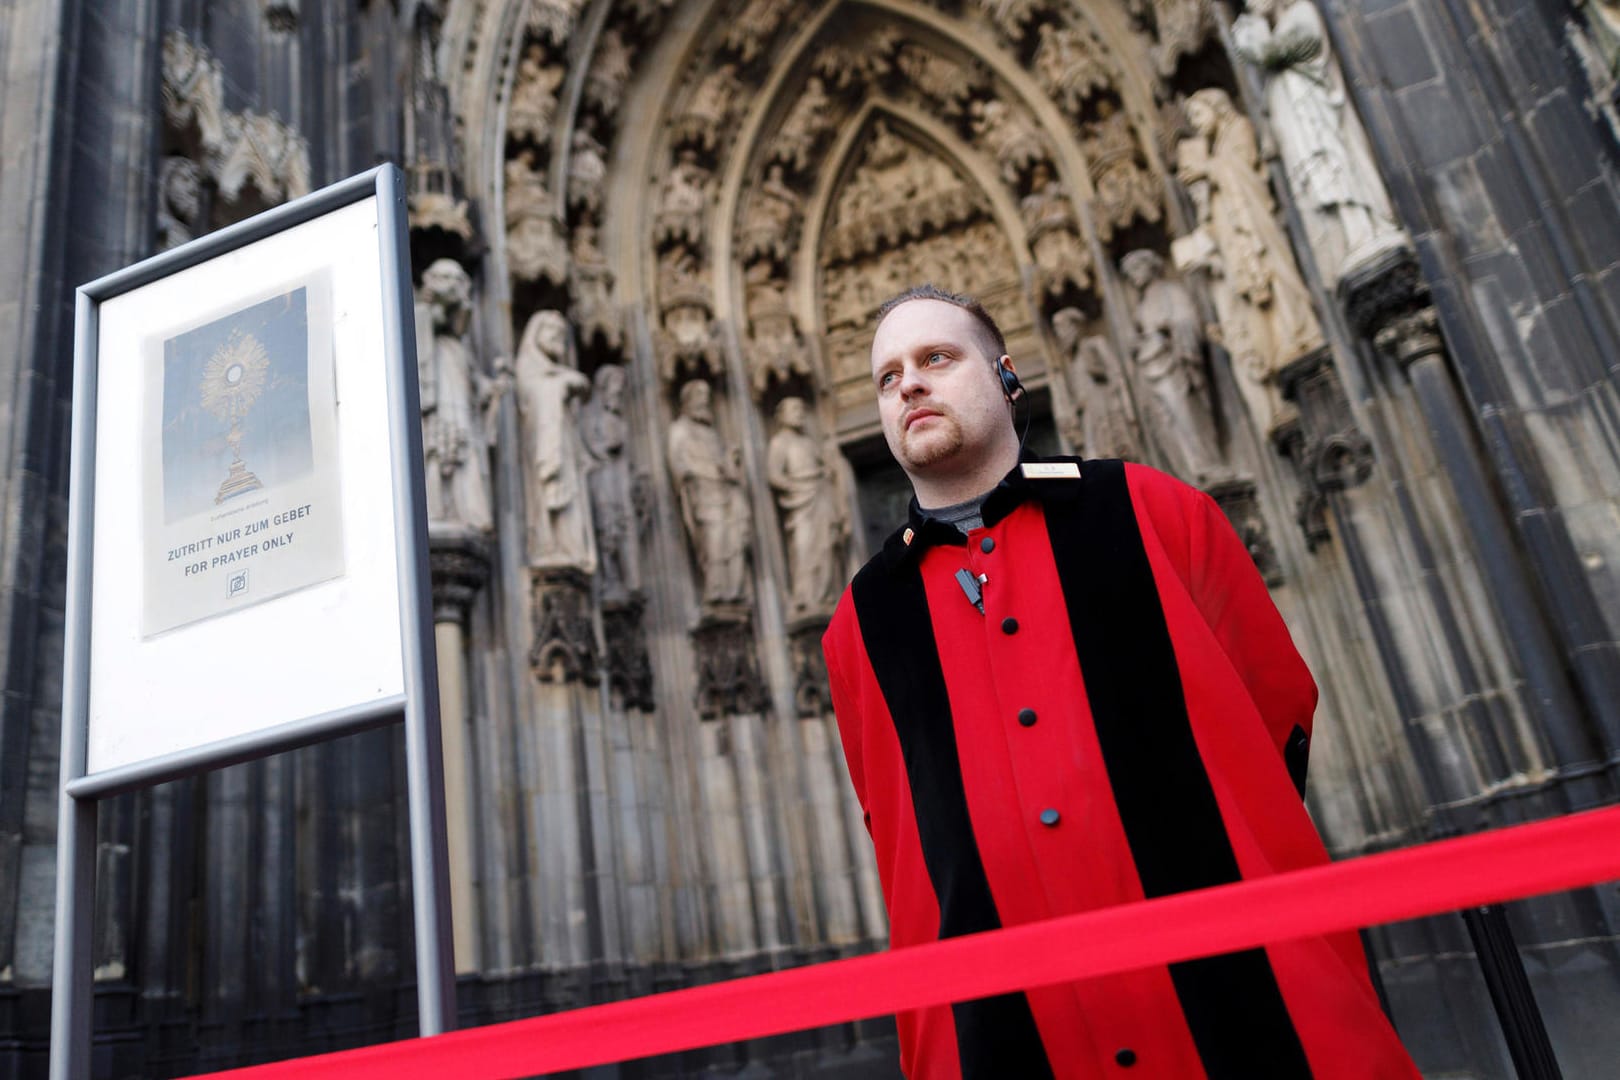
column 1232, row 596
column 842, row 636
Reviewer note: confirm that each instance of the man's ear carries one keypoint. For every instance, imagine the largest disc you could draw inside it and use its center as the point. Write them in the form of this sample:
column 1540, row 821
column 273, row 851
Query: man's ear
column 1010, row 386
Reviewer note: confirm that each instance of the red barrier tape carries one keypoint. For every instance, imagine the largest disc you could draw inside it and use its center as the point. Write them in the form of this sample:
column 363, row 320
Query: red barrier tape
column 1508, row 864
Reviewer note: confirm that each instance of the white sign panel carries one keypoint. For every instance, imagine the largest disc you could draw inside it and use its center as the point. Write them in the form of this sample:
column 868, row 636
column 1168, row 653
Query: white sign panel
column 244, row 565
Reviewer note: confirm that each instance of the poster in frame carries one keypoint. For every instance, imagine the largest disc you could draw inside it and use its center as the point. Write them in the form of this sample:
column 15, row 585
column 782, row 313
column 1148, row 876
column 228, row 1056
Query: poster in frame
column 251, row 396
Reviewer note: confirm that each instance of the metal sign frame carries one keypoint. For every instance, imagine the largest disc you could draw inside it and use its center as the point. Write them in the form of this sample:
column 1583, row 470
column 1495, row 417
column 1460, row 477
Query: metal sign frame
column 418, row 704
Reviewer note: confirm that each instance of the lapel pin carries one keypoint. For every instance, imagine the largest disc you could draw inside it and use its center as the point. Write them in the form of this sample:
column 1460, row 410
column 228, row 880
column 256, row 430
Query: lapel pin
column 908, row 536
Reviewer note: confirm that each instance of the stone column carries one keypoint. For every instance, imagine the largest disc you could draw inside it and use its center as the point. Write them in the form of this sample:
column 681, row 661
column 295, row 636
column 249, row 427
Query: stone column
column 460, row 567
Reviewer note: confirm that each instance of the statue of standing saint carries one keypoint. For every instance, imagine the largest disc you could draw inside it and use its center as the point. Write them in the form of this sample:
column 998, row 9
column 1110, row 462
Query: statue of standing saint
column 1169, row 356
column 708, row 481
column 815, row 514
column 453, row 437
column 1264, row 309
column 1348, row 219
column 612, row 502
column 548, row 389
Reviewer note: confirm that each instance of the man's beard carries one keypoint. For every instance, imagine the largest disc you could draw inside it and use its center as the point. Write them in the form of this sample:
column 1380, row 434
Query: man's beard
column 931, row 447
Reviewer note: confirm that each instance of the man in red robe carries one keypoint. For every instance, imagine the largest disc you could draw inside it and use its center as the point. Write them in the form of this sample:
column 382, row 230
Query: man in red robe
column 1062, row 685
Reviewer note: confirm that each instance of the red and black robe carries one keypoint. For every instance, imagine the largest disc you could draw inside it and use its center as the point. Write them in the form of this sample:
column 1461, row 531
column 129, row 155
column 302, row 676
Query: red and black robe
column 1127, row 718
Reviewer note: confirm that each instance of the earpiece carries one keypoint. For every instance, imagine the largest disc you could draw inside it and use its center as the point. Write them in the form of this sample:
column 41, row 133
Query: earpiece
column 1009, row 383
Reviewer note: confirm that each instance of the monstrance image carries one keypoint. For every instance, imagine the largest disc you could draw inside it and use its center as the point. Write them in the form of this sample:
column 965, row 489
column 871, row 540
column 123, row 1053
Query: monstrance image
column 232, row 381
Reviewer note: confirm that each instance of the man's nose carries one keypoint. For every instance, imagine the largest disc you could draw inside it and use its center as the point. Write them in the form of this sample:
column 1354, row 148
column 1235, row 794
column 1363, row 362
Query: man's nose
column 912, row 382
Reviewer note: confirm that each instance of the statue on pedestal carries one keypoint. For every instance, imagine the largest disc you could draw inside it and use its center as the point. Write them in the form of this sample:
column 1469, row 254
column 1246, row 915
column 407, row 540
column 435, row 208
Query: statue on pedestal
column 612, row 504
column 1341, row 196
column 815, row 513
column 548, row 389
column 1169, row 358
column 708, row 481
column 453, row 393
column 1264, row 310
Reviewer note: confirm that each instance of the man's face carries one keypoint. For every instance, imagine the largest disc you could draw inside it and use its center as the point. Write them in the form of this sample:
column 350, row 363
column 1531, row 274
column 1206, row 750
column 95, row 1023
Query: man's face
column 940, row 401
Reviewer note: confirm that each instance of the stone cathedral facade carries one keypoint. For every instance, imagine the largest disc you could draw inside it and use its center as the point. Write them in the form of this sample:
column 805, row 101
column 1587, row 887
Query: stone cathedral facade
column 1348, row 266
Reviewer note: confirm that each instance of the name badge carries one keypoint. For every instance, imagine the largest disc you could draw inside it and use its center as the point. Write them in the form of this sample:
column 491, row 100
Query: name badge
column 1050, row 470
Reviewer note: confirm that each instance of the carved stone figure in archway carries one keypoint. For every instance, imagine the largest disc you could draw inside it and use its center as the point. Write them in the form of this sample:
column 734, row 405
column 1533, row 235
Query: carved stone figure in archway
column 1265, row 312
column 814, row 509
column 1061, row 259
column 452, row 391
column 612, row 505
column 1107, row 425
column 708, row 481
column 1348, row 219
column 680, row 211
column 1169, row 360
column 534, row 96
column 548, row 389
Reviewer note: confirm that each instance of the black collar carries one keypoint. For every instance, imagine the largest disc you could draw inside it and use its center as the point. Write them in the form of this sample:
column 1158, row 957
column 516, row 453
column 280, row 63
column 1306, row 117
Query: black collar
column 921, row 531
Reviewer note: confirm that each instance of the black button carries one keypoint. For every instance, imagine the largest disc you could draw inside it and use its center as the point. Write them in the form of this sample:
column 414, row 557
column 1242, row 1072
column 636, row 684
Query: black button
column 987, row 545
column 1049, row 817
column 1026, row 717
column 1126, row 1057
column 1009, row 625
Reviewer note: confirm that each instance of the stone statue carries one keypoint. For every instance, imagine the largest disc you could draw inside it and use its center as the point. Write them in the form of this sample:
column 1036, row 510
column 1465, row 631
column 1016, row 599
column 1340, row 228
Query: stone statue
column 1010, row 137
column 1072, row 63
column 559, row 514
column 1107, row 425
column 768, row 222
column 1169, row 361
column 534, row 97
column 815, row 514
column 587, row 170
column 685, row 197
column 535, row 247
column 453, row 392
column 594, row 312
column 1061, row 258
column 810, row 116
column 1264, row 309
column 708, row 481
column 612, row 505
column 1341, row 196
column 180, row 188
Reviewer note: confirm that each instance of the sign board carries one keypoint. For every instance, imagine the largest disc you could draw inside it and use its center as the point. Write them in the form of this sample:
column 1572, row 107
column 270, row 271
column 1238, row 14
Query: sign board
column 247, row 540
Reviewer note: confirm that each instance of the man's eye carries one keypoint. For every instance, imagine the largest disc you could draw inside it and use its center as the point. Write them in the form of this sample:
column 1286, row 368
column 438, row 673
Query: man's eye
column 885, row 379
column 935, row 357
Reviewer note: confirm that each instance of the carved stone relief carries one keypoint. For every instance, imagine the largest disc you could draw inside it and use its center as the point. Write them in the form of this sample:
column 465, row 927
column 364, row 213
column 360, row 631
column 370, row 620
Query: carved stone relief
column 807, row 121
column 770, row 219
column 232, row 151
column 704, row 120
column 776, row 351
column 1072, row 64
column 1061, row 258
column 564, row 647
column 682, row 203
column 1010, row 136
column 609, row 72
column 750, row 29
column 1180, row 28
column 536, row 249
column 1240, row 502
column 728, row 678
column 534, row 96
column 595, row 315
column 1126, row 190
column 687, row 342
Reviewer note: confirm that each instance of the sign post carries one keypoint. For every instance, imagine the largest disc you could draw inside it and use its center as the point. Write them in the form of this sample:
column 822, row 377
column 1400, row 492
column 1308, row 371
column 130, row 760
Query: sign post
column 247, row 555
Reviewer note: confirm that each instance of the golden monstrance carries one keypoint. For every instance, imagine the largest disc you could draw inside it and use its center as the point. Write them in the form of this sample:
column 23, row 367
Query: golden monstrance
column 232, row 381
